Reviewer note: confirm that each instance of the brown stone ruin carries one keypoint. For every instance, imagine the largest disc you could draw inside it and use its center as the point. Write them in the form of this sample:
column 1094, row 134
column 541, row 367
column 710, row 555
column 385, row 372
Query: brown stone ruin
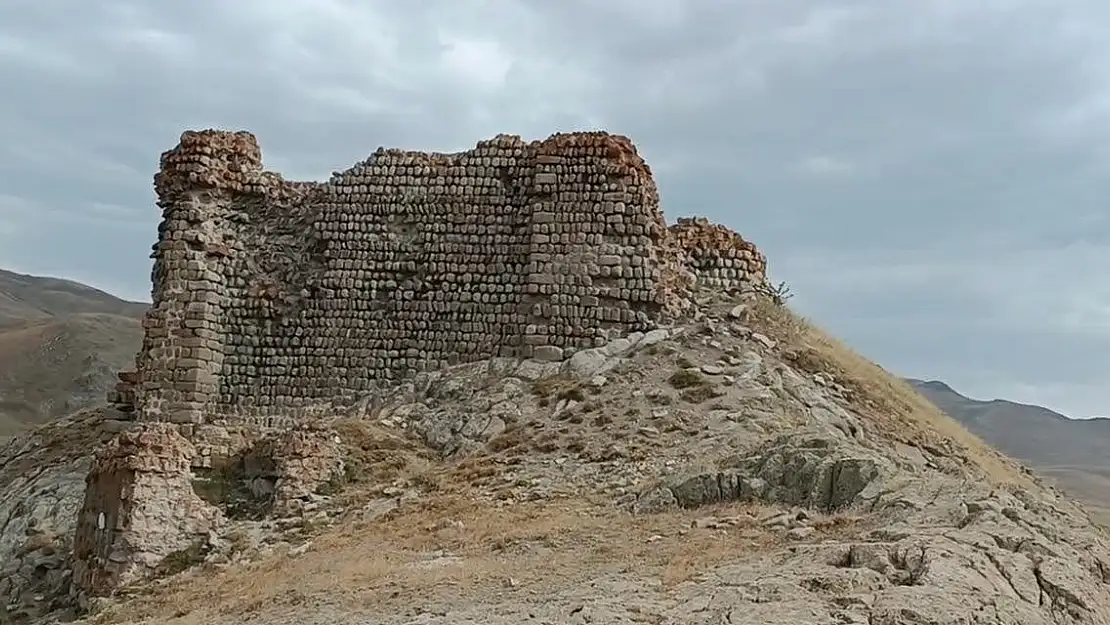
column 278, row 302
column 139, row 509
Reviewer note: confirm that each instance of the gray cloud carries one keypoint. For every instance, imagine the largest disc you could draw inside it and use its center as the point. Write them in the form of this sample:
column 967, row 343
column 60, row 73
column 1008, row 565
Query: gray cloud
column 930, row 177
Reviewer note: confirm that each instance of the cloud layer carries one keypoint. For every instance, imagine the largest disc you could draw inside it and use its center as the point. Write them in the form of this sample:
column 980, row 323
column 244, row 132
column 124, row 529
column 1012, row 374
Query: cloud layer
column 930, row 177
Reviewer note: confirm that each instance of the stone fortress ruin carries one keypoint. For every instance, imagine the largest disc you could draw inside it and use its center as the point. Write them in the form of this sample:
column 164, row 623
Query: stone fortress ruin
column 275, row 300
column 277, row 304
column 293, row 412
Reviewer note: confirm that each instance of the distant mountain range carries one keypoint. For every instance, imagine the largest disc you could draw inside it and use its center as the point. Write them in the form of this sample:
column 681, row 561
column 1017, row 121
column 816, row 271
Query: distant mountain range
column 1074, row 453
column 61, row 344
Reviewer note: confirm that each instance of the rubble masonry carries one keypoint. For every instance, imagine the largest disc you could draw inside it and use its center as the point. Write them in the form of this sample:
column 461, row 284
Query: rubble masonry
column 273, row 299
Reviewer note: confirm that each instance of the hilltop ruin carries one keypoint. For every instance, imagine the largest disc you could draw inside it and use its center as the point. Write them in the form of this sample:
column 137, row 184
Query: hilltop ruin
column 275, row 300
column 630, row 433
column 278, row 303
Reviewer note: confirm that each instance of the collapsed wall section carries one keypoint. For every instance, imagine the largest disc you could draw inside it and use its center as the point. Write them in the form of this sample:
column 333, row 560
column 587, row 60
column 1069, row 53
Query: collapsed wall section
column 139, row 509
column 272, row 299
column 718, row 257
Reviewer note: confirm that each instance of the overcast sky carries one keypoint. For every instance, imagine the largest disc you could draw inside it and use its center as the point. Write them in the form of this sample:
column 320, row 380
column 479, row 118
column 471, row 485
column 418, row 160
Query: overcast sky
column 932, row 177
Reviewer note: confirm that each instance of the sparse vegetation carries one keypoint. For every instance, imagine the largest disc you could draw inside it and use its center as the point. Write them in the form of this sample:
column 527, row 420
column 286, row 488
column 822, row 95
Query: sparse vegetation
column 885, row 399
column 779, row 293
column 226, row 487
column 698, row 394
column 442, row 497
column 687, row 378
column 479, row 543
column 183, row 559
column 573, row 393
column 695, row 387
column 511, row 437
column 376, row 455
column 551, row 385
column 239, row 540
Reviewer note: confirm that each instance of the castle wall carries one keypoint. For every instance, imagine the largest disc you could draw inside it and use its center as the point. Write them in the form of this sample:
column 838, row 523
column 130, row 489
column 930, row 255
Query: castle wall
column 274, row 299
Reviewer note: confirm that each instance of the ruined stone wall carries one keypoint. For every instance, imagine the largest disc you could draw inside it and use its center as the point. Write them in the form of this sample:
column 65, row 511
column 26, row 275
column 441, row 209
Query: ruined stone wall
column 273, row 299
column 718, row 257
column 139, row 508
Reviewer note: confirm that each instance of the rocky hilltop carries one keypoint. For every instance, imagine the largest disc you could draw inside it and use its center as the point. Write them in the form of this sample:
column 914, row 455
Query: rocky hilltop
column 496, row 387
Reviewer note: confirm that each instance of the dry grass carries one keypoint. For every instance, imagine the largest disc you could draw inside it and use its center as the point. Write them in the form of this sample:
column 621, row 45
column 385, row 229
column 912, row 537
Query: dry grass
column 451, row 544
column 891, row 405
column 542, row 545
column 687, row 378
column 378, row 455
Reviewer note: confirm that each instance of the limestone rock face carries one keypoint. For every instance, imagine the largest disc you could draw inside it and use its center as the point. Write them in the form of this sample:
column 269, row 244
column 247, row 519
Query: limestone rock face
column 42, row 486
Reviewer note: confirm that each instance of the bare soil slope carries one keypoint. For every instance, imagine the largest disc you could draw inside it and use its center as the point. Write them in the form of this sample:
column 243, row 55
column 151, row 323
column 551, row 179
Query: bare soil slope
column 61, row 344
column 740, row 468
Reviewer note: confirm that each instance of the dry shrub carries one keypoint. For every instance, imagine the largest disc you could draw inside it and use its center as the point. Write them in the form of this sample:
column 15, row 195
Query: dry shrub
column 376, row 455
column 552, row 385
column 698, row 394
column 687, row 378
column 515, row 436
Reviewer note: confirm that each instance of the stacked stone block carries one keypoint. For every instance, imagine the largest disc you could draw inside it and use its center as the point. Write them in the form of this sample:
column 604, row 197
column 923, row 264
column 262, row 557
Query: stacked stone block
column 274, row 299
column 718, row 257
column 139, row 508
column 122, row 397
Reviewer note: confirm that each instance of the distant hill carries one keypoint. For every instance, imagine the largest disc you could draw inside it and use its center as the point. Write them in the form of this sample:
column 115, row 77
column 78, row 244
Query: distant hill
column 61, row 344
column 1075, row 453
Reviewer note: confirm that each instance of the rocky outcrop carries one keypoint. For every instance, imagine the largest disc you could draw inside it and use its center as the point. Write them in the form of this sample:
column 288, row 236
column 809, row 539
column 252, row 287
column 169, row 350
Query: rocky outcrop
column 43, row 473
column 519, row 319
column 763, row 448
column 806, row 469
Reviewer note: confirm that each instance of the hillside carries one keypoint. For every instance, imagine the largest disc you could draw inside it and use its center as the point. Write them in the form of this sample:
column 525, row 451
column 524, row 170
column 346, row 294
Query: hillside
column 1075, row 453
column 61, row 345
column 739, row 468
column 26, row 298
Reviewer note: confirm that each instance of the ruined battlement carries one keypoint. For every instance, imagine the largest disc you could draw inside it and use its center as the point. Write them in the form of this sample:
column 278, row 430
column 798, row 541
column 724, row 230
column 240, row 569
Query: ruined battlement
column 273, row 299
